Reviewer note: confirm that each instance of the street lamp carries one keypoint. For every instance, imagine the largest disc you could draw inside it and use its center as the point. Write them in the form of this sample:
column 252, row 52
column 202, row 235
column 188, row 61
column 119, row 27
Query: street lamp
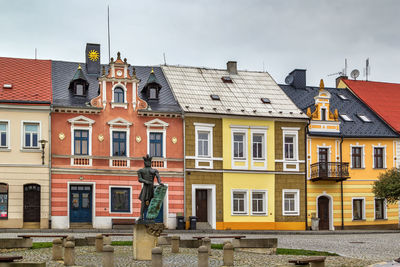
column 43, row 144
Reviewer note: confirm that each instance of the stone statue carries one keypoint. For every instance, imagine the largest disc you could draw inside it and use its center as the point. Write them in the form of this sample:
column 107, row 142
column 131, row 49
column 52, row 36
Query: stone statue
column 146, row 176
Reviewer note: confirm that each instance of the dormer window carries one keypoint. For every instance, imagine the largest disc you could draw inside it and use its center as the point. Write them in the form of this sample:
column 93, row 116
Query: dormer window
column 119, row 95
column 153, row 93
column 323, row 114
column 79, row 84
column 78, row 89
column 152, row 87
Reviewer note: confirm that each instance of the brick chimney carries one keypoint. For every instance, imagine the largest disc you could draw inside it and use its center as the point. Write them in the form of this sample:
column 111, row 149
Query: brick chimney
column 231, row 67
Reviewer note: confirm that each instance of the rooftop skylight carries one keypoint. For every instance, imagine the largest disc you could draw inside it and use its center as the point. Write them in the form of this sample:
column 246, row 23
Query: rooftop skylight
column 345, row 117
column 215, row 97
column 343, row 97
column 364, row 118
column 226, row 79
column 265, row 100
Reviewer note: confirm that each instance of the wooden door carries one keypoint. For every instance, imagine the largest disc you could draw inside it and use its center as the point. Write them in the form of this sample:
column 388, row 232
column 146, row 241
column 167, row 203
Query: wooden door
column 32, row 203
column 201, row 205
column 323, row 162
column 80, row 206
column 323, row 213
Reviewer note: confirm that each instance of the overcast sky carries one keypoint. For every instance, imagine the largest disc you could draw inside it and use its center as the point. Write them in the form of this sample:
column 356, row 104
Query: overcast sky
column 280, row 35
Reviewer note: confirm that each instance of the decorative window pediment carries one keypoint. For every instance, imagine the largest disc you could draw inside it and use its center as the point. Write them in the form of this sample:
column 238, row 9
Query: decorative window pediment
column 119, row 122
column 81, row 120
column 156, row 123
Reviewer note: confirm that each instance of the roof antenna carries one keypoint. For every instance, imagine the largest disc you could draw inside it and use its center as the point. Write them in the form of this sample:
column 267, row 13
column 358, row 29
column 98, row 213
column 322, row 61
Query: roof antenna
column 345, row 67
column 367, row 70
column 165, row 61
column 108, row 28
column 35, row 53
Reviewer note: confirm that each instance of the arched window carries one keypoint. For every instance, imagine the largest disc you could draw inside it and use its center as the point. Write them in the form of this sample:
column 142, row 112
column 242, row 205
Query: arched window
column 119, row 95
column 3, row 201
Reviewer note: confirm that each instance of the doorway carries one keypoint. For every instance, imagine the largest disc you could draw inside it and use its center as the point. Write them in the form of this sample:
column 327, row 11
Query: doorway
column 32, row 203
column 324, row 213
column 80, row 206
column 201, row 205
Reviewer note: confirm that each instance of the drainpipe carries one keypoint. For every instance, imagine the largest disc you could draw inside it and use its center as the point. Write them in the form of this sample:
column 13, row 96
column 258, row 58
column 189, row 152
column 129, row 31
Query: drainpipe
column 184, row 166
column 49, row 155
column 341, row 181
column 305, row 171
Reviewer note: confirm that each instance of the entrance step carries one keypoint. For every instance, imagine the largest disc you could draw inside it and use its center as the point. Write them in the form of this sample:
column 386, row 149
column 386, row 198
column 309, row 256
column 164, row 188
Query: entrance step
column 31, row 225
column 80, row 226
column 203, row 226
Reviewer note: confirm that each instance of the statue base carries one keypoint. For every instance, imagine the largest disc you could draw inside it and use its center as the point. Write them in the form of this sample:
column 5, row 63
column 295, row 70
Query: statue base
column 145, row 239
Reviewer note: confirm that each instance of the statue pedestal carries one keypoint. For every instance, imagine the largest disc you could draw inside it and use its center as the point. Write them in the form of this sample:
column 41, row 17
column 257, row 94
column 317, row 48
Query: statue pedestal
column 143, row 242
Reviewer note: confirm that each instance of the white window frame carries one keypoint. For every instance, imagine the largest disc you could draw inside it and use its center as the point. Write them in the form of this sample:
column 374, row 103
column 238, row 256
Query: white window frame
column 109, row 200
column 7, row 146
column 204, row 127
column 23, row 147
column 383, row 156
column 119, row 105
column 362, row 156
column 81, row 123
column 117, row 126
column 265, row 203
column 264, row 149
column 363, row 208
column 291, row 131
column 239, row 130
column 296, row 212
column 246, row 202
column 384, row 209
column 345, row 117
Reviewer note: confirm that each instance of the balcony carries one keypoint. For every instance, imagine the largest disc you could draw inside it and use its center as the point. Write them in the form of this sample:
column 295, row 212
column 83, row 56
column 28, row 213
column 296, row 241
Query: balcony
column 330, row 171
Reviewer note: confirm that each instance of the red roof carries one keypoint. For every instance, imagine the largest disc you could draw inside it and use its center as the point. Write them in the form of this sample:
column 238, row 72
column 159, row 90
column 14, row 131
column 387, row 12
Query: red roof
column 380, row 97
column 30, row 79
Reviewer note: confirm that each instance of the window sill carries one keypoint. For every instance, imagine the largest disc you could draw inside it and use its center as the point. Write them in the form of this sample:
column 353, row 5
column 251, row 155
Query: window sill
column 381, row 219
column 359, row 220
column 241, row 159
column 5, row 149
column 240, row 214
column 119, row 105
column 379, row 168
column 297, row 214
column 357, row 168
column 31, row 150
column 259, row 214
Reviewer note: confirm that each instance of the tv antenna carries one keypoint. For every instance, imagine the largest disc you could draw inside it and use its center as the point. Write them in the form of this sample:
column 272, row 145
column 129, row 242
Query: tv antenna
column 367, row 69
column 108, row 32
column 340, row 73
column 354, row 74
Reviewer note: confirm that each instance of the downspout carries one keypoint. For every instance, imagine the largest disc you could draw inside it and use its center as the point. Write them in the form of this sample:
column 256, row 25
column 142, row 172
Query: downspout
column 184, row 166
column 305, row 171
column 341, row 180
column 49, row 155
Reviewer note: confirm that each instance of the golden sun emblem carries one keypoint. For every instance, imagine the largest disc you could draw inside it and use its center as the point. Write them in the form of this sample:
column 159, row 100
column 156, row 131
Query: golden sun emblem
column 93, row 55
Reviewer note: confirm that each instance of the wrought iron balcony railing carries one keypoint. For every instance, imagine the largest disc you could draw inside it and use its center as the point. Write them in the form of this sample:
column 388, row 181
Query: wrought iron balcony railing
column 330, row 171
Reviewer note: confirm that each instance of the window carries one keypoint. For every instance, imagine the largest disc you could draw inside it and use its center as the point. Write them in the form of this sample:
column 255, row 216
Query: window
column 215, row 97
column 345, row 117
column 259, row 202
column 120, row 199
column 265, row 100
column 156, row 145
column 31, row 135
column 119, row 143
column 79, row 89
column 153, row 93
column 364, row 118
column 356, row 157
column 380, row 209
column 3, row 134
column 81, row 142
column 378, row 157
column 203, row 144
column 238, row 145
column 226, row 79
column 291, row 199
column 239, row 202
column 3, row 201
column 358, row 209
column 119, row 95
column 258, row 146
column 289, row 147
column 343, row 97
column 323, row 114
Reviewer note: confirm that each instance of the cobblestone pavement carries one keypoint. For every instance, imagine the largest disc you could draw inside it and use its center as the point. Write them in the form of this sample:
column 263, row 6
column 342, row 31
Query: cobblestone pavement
column 374, row 247
column 87, row 256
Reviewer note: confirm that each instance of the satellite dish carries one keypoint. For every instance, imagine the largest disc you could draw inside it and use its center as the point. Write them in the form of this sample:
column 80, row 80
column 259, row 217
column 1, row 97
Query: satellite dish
column 355, row 73
column 289, row 79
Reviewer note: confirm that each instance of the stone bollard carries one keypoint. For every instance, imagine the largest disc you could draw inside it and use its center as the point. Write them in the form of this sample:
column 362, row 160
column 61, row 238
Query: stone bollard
column 57, row 249
column 207, row 244
column 99, row 243
column 108, row 256
column 107, row 240
column 70, row 238
column 156, row 257
column 203, row 256
column 69, row 254
column 175, row 244
column 228, row 254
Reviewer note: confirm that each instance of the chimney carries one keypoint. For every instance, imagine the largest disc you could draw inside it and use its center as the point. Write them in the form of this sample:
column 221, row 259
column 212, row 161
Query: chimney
column 297, row 78
column 93, row 58
column 341, row 77
column 231, row 67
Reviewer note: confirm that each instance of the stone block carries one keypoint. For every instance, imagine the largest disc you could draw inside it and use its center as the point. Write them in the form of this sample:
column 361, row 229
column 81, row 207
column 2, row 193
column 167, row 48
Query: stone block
column 190, row 243
column 15, row 243
column 143, row 242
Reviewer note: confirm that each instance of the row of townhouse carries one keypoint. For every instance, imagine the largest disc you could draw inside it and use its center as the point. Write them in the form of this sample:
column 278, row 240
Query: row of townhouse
column 235, row 149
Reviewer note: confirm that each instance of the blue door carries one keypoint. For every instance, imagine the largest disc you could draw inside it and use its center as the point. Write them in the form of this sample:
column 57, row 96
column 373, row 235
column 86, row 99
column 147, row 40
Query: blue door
column 80, row 206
